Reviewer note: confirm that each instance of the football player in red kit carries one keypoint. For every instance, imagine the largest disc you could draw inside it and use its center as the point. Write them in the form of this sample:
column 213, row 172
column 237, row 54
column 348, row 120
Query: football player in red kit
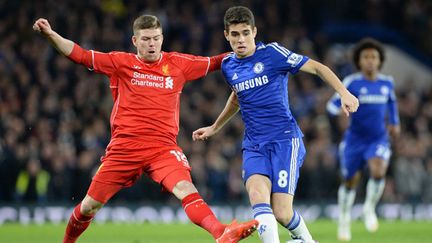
column 146, row 89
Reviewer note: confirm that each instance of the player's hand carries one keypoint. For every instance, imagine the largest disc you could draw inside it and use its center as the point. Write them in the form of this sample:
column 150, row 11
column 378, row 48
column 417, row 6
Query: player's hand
column 349, row 103
column 203, row 133
column 42, row 26
column 394, row 131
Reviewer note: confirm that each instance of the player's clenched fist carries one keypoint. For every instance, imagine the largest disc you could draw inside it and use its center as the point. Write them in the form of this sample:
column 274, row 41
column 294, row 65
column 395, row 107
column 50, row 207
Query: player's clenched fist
column 349, row 103
column 203, row 133
column 42, row 26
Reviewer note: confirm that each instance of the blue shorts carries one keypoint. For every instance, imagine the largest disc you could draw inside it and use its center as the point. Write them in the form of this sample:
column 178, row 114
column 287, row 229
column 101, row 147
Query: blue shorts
column 279, row 161
column 354, row 156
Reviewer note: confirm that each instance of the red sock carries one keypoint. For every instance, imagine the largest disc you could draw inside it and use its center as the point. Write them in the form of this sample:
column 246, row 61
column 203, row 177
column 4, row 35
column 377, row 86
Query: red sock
column 76, row 225
column 199, row 213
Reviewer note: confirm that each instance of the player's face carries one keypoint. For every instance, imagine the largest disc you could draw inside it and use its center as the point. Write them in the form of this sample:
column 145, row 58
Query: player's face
column 148, row 43
column 369, row 61
column 242, row 39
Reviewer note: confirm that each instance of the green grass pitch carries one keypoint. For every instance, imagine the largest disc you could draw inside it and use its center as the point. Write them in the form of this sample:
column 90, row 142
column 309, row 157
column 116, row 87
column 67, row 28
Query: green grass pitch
column 323, row 230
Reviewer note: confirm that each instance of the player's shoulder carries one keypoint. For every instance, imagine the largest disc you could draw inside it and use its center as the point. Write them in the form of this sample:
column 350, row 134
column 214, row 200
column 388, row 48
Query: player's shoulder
column 122, row 58
column 230, row 56
column 352, row 78
column 274, row 47
column 121, row 53
column 178, row 56
column 386, row 78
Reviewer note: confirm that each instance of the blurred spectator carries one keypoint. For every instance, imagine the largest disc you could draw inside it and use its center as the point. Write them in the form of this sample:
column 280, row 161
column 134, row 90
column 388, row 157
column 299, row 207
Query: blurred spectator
column 32, row 183
column 60, row 184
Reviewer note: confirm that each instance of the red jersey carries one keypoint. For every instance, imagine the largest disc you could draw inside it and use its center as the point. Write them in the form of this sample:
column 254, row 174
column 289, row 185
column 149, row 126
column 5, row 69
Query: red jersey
column 146, row 95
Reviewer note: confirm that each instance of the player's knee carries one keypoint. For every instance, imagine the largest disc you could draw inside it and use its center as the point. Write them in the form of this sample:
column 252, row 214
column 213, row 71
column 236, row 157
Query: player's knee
column 353, row 181
column 90, row 206
column 257, row 196
column 350, row 184
column 283, row 215
column 90, row 209
column 378, row 172
column 185, row 188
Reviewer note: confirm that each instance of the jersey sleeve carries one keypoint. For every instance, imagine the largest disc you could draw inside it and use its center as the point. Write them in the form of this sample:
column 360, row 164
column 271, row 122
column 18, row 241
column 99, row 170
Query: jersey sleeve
column 284, row 60
column 334, row 104
column 193, row 67
column 392, row 106
column 95, row 61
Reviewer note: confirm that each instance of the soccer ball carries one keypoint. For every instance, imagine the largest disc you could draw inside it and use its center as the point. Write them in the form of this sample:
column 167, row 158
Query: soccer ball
column 296, row 241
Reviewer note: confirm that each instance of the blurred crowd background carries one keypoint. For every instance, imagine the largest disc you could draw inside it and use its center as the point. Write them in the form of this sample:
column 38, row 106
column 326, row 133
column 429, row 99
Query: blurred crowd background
column 54, row 115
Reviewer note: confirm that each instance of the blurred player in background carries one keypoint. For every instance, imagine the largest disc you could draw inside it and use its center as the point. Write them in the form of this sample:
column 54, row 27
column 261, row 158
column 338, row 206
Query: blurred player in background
column 146, row 89
column 366, row 141
column 273, row 150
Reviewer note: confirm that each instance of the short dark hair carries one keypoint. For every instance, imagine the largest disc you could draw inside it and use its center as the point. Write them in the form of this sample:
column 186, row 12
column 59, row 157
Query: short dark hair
column 146, row 22
column 238, row 15
column 368, row 43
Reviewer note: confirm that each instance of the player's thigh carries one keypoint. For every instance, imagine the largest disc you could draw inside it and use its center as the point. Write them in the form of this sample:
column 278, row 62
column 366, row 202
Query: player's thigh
column 282, row 204
column 286, row 160
column 112, row 176
column 171, row 169
column 351, row 159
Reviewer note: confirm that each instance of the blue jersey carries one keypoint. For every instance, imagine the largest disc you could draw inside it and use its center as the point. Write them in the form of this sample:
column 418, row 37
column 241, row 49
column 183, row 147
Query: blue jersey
column 261, row 84
column 377, row 107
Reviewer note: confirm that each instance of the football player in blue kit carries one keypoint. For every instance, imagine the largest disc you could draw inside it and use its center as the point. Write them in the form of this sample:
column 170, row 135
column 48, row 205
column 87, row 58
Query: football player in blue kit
column 366, row 141
column 273, row 150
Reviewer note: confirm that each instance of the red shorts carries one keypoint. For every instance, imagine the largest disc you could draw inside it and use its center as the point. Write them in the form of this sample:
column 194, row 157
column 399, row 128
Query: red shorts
column 126, row 160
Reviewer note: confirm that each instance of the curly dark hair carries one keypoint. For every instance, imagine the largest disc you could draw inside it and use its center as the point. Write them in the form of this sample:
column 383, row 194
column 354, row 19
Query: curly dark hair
column 368, row 43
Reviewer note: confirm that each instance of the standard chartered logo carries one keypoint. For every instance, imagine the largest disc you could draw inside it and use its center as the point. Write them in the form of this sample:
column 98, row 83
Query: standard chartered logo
column 150, row 80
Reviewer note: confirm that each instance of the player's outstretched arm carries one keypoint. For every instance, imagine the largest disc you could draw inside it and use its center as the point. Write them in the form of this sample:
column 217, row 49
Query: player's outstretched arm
column 64, row 46
column 349, row 103
column 231, row 108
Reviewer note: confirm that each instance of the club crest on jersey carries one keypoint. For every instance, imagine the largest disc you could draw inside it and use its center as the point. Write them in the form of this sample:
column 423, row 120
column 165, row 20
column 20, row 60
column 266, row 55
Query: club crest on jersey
column 384, row 90
column 165, row 70
column 258, row 67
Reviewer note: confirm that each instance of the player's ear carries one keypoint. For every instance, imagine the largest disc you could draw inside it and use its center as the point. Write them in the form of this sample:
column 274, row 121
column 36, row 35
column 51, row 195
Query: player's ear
column 134, row 40
column 255, row 31
column 226, row 35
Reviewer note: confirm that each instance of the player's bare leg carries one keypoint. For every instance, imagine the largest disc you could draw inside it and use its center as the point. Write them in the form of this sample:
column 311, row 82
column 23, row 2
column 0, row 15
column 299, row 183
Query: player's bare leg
column 259, row 190
column 374, row 191
column 200, row 213
column 81, row 218
column 346, row 197
column 290, row 219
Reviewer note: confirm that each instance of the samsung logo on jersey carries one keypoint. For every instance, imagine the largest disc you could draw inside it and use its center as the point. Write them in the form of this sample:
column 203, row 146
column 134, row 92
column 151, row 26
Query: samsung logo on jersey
column 250, row 83
column 373, row 99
